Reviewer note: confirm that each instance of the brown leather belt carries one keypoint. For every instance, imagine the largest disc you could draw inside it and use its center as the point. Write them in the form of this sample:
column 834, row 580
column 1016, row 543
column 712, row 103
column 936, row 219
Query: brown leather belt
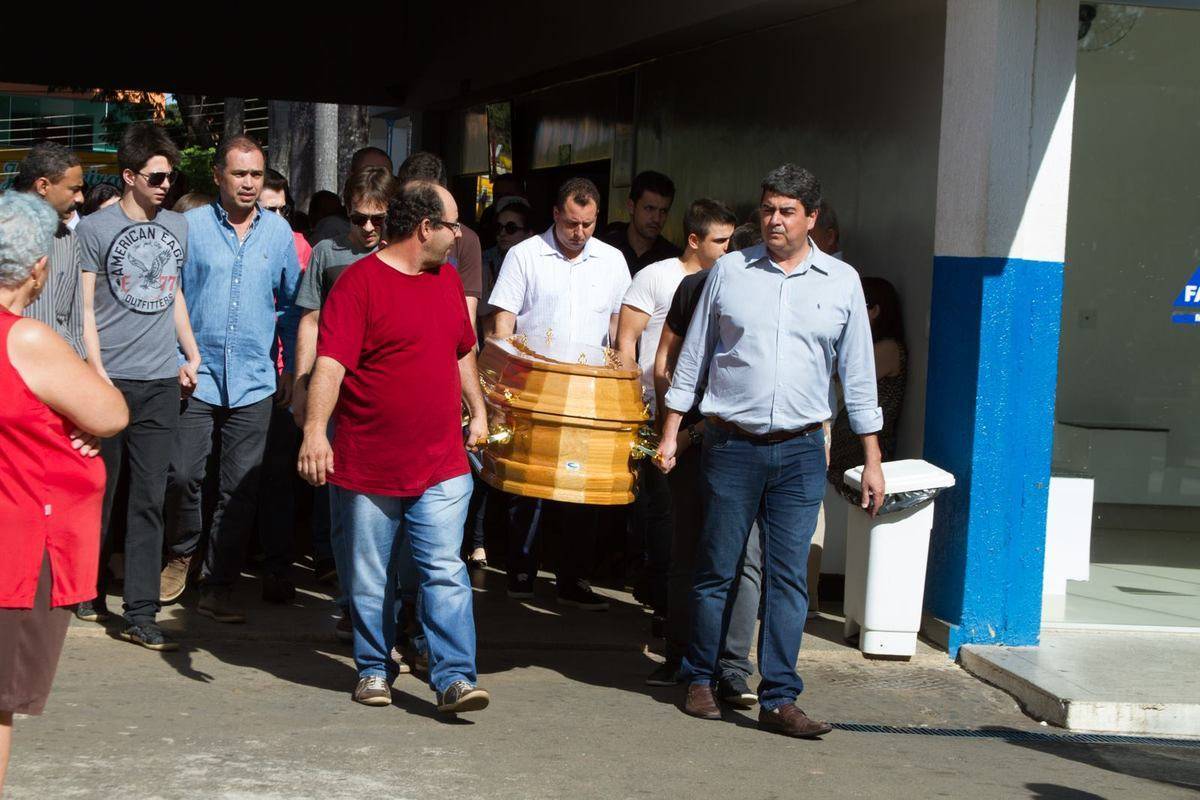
column 762, row 438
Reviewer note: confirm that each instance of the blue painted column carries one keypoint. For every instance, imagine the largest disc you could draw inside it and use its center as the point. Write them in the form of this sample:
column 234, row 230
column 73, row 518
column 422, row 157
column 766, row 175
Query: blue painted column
column 1004, row 160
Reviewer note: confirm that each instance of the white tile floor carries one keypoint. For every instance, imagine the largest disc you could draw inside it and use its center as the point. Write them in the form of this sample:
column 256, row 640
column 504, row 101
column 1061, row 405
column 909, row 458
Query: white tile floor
column 1138, row 577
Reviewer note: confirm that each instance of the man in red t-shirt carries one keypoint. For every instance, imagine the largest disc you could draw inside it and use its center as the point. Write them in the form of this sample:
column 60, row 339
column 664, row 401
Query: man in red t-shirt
column 395, row 357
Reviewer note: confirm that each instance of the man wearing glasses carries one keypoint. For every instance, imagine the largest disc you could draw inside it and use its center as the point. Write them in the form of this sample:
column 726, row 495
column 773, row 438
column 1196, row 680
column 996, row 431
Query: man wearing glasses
column 241, row 276
column 396, row 358
column 132, row 255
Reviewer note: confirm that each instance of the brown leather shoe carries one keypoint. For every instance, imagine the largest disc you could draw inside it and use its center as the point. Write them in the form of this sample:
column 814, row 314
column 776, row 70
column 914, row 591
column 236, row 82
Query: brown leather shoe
column 791, row 721
column 701, row 702
column 173, row 580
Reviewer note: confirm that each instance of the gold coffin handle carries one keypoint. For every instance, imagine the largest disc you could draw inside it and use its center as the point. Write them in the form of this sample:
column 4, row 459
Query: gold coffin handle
column 645, row 445
column 500, row 434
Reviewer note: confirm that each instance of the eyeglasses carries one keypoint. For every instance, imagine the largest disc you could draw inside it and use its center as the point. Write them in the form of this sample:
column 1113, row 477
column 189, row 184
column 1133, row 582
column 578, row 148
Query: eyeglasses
column 157, row 178
column 454, row 226
column 282, row 211
column 510, row 228
column 359, row 220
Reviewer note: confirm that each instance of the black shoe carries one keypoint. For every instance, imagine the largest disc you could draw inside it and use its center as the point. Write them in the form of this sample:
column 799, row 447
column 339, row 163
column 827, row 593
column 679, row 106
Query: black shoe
column 579, row 595
column 732, row 689
column 462, row 696
column 277, row 589
column 520, row 586
column 326, row 571
column 666, row 674
column 92, row 610
column 149, row 636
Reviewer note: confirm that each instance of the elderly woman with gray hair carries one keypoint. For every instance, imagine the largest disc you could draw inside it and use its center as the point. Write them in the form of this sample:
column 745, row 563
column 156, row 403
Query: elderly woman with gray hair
column 52, row 408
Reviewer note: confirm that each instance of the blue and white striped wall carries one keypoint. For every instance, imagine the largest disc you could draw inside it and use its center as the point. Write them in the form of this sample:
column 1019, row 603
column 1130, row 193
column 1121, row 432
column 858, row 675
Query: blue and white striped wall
column 1003, row 168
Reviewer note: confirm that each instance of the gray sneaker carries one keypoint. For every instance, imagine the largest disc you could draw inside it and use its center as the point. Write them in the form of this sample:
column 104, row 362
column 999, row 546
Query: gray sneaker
column 218, row 604
column 373, row 690
column 462, row 696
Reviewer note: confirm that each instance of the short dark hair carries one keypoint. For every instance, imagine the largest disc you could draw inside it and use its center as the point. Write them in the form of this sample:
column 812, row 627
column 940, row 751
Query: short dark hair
column 745, row 235
column 703, row 214
column 796, row 183
column 415, row 201
column 97, row 196
column 651, row 181
column 373, row 184
column 362, row 152
column 422, row 166
column 323, row 203
column 274, row 180
column 827, row 217
column 49, row 160
column 143, row 141
column 240, row 142
column 580, row 190
column 890, row 322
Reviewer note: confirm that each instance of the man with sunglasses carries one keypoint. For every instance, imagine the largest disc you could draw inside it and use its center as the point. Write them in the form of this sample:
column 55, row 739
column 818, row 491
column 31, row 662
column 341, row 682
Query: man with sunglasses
column 241, row 276
column 366, row 195
column 134, row 323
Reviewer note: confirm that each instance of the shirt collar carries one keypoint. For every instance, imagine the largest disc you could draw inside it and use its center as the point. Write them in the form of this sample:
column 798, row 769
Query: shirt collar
column 814, row 260
column 223, row 215
column 550, row 247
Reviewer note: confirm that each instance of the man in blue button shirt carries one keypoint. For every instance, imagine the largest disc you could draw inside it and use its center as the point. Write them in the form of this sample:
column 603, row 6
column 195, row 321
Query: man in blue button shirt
column 241, row 277
column 771, row 323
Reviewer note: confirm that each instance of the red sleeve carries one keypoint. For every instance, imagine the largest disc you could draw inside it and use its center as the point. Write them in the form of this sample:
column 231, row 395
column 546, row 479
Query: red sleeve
column 343, row 323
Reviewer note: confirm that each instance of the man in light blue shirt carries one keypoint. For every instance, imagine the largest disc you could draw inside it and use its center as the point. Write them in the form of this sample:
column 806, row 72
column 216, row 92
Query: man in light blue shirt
column 771, row 324
column 241, row 277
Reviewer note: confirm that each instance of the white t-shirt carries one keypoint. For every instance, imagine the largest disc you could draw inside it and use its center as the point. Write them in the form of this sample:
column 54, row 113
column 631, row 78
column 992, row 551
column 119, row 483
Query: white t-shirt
column 575, row 299
column 651, row 293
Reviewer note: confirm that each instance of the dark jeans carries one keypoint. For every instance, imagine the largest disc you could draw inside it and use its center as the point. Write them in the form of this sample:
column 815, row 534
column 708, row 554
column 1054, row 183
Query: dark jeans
column 146, row 444
column 322, row 544
column 474, row 535
column 571, row 528
column 781, row 484
column 241, row 435
column 277, row 493
column 653, row 516
column 742, row 609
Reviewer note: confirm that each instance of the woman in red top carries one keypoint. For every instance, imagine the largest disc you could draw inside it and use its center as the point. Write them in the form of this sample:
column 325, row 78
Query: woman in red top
column 52, row 408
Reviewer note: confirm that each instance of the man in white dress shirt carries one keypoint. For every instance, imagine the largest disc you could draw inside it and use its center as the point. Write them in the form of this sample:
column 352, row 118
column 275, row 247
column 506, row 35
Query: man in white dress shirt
column 568, row 286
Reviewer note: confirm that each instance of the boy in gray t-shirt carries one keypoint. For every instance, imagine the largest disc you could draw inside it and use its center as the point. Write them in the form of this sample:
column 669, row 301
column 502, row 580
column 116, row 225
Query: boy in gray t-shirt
column 135, row 323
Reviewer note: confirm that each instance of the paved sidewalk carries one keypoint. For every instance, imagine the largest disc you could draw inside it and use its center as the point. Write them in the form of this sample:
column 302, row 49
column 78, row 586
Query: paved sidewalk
column 263, row 711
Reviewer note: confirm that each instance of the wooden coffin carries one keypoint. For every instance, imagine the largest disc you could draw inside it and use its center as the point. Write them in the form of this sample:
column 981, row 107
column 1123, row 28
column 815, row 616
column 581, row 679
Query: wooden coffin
column 575, row 420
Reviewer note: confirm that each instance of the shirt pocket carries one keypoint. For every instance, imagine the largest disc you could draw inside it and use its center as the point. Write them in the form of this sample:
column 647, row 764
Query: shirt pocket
column 598, row 297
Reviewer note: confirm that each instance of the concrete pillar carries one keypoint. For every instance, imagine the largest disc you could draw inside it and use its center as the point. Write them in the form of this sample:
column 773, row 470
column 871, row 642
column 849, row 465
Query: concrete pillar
column 235, row 116
column 279, row 140
column 1003, row 168
column 354, row 125
column 325, row 157
column 300, row 153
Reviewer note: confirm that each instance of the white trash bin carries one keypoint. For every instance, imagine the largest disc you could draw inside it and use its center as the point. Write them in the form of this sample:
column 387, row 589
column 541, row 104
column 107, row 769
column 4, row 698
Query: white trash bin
column 885, row 559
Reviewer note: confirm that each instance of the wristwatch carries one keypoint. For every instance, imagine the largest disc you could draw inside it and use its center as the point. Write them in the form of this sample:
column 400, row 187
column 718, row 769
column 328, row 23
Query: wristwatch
column 693, row 434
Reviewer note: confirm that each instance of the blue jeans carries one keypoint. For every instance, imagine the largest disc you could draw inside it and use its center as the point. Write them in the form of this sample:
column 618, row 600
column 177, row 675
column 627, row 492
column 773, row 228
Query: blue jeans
column 374, row 528
column 781, row 484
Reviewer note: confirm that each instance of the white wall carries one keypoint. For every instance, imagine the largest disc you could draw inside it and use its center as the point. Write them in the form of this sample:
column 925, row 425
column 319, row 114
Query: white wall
column 1133, row 241
column 853, row 94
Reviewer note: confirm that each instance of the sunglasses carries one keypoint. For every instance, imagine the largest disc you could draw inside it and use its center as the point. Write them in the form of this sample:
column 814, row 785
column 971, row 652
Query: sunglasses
column 359, row 220
column 158, row 178
column 510, row 228
column 282, row 211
